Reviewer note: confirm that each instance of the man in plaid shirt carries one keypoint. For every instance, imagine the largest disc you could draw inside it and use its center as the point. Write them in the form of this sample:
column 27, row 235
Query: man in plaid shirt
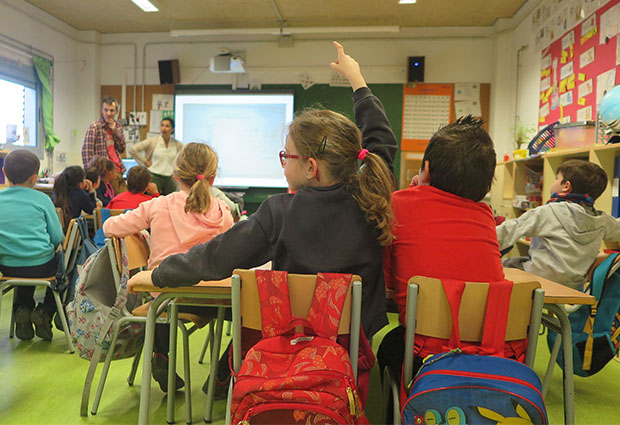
column 105, row 138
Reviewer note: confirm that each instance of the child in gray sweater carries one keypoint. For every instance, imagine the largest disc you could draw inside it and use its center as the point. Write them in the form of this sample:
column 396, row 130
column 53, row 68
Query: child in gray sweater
column 567, row 231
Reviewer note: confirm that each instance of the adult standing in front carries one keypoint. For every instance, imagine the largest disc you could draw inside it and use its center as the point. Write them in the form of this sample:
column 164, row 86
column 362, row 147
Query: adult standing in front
column 105, row 137
column 159, row 157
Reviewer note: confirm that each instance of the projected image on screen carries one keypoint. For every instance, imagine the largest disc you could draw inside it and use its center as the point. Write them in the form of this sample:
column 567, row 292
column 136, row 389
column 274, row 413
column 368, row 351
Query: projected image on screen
column 246, row 131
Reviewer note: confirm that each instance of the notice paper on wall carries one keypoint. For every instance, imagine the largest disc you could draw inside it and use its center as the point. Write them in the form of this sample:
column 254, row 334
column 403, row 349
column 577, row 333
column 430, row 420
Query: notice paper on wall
column 467, row 107
column 424, row 115
column 163, row 102
column 466, row 91
column 605, row 82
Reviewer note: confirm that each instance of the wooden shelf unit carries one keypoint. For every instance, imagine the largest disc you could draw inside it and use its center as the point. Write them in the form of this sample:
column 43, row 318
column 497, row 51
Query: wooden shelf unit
column 510, row 175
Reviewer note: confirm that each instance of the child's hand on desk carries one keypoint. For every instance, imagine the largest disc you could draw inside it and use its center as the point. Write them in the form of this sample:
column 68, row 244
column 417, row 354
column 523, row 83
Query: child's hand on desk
column 141, row 278
column 348, row 67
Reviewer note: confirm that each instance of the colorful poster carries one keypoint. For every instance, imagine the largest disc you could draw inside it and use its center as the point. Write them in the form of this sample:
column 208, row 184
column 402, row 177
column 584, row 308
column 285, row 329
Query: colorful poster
column 586, row 58
column 584, row 89
column 566, row 71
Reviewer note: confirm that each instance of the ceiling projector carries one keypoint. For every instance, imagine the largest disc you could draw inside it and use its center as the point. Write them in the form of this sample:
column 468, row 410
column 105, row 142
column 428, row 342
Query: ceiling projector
column 227, row 63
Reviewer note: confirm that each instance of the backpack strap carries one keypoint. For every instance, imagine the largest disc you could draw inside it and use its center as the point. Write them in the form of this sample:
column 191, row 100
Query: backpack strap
column 275, row 305
column 330, row 293
column 599, row 277
column 495, row 319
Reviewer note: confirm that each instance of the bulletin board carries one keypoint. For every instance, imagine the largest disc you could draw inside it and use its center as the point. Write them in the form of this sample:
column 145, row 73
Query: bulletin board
column 578, row 68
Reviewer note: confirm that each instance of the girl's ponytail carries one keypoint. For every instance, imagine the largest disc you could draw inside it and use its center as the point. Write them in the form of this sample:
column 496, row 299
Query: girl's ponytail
column 195, row 166
column 370, row 186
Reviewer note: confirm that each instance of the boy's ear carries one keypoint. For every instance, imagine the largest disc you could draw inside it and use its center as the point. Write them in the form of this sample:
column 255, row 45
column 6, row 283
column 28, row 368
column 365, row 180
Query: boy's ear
column 425, row 174
column 567, row 187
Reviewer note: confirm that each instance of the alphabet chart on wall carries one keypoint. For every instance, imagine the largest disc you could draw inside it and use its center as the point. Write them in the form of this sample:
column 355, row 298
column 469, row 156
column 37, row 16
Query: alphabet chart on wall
column 426, row 108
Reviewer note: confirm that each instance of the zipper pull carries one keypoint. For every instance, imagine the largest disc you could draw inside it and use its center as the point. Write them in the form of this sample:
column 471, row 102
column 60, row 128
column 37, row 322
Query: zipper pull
column 352, row 404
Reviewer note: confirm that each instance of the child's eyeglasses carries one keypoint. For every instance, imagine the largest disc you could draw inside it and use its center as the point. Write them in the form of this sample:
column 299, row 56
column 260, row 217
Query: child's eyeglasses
column 284, row 156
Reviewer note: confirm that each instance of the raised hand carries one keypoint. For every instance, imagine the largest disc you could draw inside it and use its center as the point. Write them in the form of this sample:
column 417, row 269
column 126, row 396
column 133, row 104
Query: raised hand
column 348, row 67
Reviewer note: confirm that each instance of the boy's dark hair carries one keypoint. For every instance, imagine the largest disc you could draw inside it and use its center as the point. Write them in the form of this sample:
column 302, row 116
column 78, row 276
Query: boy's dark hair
column 585, row 177
column 93, row 175
column 138, row 178
column 20, row 165
column 461, row 159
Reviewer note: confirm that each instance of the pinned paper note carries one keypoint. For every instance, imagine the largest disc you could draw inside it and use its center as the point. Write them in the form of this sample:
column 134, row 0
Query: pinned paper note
column 584, row 114
column 581, row 101
column 563, row 59
column 562, row 86
column 581, row 76
column 570, row 84
column 586, row 57
column 585, row 88
column 545, row 84
column 566, row 99
column 545, row 73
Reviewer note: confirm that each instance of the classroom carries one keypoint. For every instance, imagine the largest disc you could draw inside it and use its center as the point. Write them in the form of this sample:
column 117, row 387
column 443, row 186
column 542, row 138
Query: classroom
column 427, row 61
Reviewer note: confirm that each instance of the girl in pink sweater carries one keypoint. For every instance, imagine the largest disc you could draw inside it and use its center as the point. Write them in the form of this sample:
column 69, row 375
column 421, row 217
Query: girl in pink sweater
column 178, row 221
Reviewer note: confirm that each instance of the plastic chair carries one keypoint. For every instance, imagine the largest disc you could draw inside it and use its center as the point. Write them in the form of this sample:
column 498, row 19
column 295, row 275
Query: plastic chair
column 138, row 253
column 68, row 253
column 428, row 314
column 246, row 310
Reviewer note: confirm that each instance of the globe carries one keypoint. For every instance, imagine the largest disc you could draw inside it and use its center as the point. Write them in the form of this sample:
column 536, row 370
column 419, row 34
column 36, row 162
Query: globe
column 610, row 109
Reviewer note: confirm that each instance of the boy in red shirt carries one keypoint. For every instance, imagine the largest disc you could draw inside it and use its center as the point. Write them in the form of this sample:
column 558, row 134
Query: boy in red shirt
column 139, row 187
column 442, row 230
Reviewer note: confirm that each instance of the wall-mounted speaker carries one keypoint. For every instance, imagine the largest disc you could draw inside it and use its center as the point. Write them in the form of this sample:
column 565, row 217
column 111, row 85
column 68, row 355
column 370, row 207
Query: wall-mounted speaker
column 169, row 71
column 415, row 69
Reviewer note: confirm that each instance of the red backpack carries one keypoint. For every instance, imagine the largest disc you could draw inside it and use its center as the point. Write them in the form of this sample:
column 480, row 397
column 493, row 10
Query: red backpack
column 292, row 377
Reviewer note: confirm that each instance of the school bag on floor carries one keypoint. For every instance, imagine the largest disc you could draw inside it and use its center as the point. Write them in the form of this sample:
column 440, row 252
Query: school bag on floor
column 99, row 304
column 455, row 387
column 297, row 378
column 595, row 328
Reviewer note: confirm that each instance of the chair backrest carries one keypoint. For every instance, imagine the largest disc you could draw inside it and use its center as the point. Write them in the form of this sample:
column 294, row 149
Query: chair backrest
column 433, row 310
column 61, row 217
column 71, row 245
column 301, row 293
column 97, row 212
column 137, row 251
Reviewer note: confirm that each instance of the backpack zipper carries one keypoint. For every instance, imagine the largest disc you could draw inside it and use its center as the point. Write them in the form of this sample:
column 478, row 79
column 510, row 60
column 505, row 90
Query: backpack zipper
column 319, row 408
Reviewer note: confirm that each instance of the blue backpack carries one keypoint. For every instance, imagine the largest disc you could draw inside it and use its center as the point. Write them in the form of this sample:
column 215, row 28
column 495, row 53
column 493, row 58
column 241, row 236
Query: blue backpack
column 458, row 388
column 595, row 328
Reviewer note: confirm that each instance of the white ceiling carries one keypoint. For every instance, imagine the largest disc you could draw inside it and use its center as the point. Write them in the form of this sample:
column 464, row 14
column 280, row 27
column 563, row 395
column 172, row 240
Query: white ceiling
column 123, row 16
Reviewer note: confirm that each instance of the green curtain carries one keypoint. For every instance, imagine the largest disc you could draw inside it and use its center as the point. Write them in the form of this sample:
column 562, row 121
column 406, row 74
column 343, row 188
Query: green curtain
column 43, row 68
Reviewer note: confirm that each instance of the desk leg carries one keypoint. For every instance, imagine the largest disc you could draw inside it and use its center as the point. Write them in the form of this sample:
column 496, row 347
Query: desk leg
column 215, row 356
column 567, row 371
column 147, row 354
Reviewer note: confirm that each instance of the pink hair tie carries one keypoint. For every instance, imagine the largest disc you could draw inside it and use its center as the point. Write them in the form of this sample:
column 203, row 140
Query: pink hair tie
column 200, row 177
column 362, row 155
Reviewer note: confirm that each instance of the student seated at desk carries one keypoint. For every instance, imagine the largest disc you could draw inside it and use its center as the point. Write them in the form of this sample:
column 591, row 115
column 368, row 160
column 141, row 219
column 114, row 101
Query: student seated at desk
column 139, row 189
column 93, row 175
column 73, row 193
column 443, row 230
column 29, row 234
column 178, row 221
column 337, row 220
column 107, row 172
column 566, row 232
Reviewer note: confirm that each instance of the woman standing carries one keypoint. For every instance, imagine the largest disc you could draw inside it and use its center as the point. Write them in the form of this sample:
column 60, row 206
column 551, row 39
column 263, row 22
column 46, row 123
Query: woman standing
column 160, row 153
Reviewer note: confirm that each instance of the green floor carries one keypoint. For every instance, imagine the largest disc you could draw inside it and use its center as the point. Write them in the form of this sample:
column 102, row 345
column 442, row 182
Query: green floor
column 40, row 383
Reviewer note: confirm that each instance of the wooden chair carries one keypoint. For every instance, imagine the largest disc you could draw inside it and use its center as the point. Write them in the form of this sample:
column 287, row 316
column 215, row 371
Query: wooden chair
column 97, row 215
column 246, row 310
column 69, row 251
column 138, row 254
column 61, row 217
column 428, row 314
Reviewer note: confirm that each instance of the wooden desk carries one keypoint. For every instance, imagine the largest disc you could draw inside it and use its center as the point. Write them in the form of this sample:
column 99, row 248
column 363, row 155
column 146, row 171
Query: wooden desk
column 216, row 290
column 556, row 295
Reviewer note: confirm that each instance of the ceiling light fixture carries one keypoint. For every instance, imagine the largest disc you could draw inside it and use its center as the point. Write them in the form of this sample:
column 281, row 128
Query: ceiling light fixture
column 283, row 31
column 146, row 5
column 406, row 1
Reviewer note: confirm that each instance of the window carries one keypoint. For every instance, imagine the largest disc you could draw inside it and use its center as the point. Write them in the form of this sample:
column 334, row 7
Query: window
column 20, row 99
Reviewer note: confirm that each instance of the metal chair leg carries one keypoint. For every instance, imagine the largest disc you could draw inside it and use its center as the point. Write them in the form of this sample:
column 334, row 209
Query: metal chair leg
column 214, row 360
column 186, row 369
column 208, row 340
column 12, row 322
column 172, row 360
column 134, row 367
column 554, row 355
column 63, row 320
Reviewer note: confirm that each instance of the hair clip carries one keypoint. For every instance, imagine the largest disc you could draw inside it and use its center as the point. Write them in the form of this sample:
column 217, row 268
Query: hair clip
column 322, row 145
